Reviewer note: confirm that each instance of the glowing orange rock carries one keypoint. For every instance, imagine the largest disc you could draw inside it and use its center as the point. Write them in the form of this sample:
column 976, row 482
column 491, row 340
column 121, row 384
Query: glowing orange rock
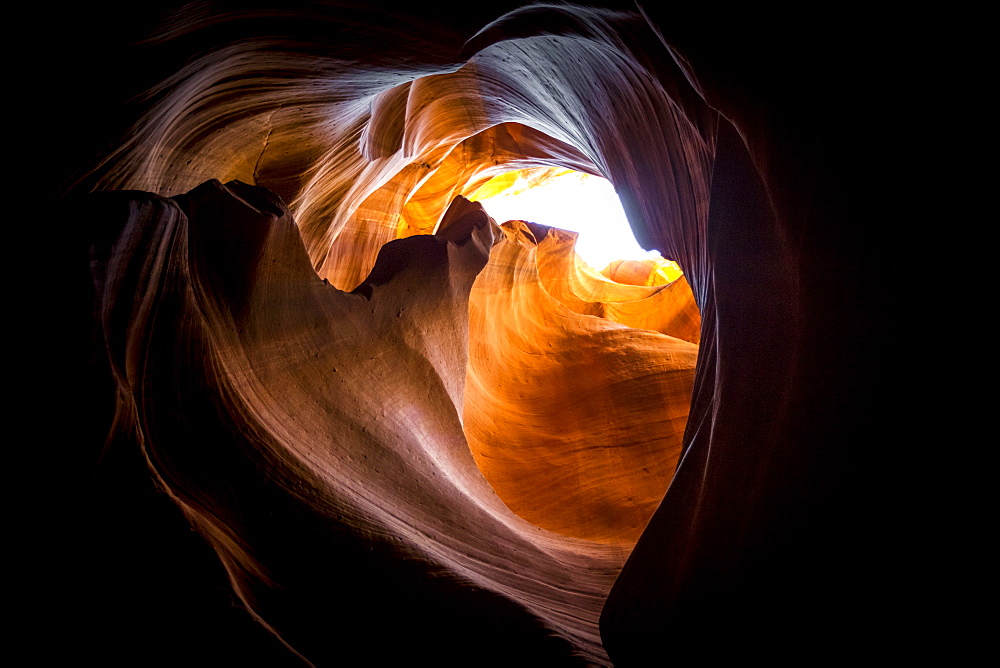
column 576, row 421
column 312, row 435
column 666, row 307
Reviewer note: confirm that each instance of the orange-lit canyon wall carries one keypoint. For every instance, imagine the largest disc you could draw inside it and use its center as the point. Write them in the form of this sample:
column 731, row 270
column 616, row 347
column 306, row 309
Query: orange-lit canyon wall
column 332, row 410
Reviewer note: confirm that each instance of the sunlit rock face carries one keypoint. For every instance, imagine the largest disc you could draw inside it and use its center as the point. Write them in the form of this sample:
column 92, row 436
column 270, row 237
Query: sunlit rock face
column 409, row 433
column 574, row 419
column 295, row 425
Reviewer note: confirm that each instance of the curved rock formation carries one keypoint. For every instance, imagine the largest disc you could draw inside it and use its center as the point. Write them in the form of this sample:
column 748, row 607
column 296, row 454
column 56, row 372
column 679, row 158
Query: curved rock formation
column 296, row 425
column 575, row 421
column 406, row 432
column 640, row 294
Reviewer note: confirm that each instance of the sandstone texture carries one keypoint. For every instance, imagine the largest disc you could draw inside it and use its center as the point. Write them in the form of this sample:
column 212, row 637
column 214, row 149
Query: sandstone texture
column 332, row 413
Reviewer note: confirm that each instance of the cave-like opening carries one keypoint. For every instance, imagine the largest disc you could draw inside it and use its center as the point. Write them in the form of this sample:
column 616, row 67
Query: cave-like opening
column 575, row 201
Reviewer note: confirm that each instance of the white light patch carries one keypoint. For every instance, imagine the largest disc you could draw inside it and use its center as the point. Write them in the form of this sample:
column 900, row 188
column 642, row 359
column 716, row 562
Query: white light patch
column 579, row 202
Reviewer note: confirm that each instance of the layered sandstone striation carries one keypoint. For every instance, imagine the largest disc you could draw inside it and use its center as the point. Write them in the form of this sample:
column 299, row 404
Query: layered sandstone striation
column 574, row 419
column 407, row 431
column 299, row 427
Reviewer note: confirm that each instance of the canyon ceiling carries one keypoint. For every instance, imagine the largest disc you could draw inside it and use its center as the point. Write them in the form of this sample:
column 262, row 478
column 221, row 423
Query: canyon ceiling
column 329, row 409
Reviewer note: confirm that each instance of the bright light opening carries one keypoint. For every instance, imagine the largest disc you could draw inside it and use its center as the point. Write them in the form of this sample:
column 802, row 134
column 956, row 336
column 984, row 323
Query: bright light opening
column 568, row 200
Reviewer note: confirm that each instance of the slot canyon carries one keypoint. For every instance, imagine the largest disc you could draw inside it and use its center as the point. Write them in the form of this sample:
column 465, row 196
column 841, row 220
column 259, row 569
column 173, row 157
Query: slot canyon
column 329, row 412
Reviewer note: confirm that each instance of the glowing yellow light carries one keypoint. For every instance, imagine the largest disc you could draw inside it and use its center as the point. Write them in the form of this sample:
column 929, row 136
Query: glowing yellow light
column 575, row 201
column 510, row 184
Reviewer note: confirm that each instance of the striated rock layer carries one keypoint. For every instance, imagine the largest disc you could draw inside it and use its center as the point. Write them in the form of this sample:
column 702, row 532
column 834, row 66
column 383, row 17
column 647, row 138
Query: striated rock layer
column 408, row 433
column 575, row 420
column 317, row 440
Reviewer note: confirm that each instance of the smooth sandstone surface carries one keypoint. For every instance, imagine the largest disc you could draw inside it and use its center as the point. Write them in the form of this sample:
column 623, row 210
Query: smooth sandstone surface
column 576, row 421
column 330, row 409
column 295, row 424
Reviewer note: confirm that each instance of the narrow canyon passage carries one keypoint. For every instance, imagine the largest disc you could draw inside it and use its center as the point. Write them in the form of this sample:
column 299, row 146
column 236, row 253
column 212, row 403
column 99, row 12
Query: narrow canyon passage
column 402, row 429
